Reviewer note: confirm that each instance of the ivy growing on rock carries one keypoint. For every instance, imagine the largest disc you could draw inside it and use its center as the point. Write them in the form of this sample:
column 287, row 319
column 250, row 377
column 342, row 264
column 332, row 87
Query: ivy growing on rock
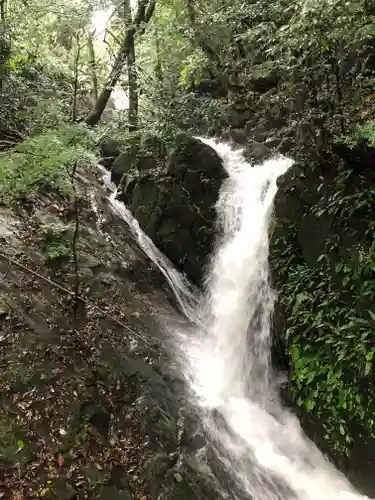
column 327, row 292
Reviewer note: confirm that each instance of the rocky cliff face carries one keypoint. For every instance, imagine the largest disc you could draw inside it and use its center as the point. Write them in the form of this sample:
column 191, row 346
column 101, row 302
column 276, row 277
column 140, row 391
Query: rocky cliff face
column 172, row 192
column 322, row 259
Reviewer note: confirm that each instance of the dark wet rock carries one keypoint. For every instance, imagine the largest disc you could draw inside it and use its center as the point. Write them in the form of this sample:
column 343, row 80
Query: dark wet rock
column 91, row 412
column 119, row 478
column 90, row 261
column 156, row 468
column 109, row 150
column 168, row 481
column 120, row 166
column 173, row 199
column 191, row 156
column 142, row 154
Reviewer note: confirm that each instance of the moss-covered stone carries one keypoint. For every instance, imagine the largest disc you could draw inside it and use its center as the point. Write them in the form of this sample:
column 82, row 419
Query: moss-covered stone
column 121, row 165
column 109, row 150
column 173, row 198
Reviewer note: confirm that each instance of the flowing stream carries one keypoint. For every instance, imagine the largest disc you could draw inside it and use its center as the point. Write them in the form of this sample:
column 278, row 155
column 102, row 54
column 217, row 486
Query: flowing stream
column 259, row 449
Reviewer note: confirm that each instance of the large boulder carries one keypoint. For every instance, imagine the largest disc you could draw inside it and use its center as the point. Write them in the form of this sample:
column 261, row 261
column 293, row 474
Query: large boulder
column 109, row 150
column 173, row 197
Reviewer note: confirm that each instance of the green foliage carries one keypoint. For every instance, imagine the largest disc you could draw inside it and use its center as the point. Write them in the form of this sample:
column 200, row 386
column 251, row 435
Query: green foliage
column 367, row 132
column 43, row 161
column 57, row 238
column 18, row 63
column 330, row 320
column 194, row 71
column 297, row 74
column 47, row 63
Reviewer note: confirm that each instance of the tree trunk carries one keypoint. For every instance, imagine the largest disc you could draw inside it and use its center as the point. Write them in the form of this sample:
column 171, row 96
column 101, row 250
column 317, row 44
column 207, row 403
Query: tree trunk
column 143, row 15
column 158, row 66
column 133, row 90
column 76, row 75
column 92, row 65
column 2, row 11
column 4, row 46
column 97, row 111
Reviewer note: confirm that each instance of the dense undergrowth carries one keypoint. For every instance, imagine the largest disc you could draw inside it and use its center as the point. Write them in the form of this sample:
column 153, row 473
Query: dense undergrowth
column 328, row 298
column 44, row 161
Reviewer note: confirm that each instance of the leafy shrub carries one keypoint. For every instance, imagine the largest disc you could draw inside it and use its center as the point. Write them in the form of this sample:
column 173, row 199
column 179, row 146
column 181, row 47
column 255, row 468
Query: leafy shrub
column 43, row 161
column 57, row 238
column 330, row 321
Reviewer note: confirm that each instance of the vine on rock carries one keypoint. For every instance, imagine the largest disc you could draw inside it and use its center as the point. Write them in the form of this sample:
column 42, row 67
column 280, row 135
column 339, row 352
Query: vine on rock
column 330, row 320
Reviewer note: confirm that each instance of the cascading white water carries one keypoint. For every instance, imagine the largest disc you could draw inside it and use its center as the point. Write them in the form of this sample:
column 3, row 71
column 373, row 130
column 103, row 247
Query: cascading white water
column 258, row 444
column 238, row 299
column 229, row 365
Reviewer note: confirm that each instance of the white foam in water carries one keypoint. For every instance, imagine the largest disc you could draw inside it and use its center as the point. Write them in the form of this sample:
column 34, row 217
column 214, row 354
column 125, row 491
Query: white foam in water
column 185, row 293
column 260, row 446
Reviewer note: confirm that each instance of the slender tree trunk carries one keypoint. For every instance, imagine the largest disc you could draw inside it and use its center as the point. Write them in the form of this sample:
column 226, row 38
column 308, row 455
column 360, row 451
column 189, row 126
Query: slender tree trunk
column 4, row 46
column 143, row 15
column 133, row 89
column 132, row 73
column 2, row 11
column 97, row 111
column 339, row 95
column 92, row 65
column 159, row 66
column 75, row 85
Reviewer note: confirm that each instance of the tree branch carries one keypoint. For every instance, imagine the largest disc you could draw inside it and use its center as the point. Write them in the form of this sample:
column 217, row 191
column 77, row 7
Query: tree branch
column 209, row 51
column 75, row 85
column 142, row 17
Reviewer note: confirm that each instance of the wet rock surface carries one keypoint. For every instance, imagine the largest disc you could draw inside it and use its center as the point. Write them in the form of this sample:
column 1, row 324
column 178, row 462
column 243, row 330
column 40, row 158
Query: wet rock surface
column 91, row 405
column 173, row 194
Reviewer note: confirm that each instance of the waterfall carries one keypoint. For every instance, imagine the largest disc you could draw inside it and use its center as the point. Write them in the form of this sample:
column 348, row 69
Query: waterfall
column 258, row 444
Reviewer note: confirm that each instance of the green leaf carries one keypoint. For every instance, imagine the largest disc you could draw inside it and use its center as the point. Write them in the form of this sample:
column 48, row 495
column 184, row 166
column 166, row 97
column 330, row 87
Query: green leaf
column 369, row 355
column 178, row 477
column 310, row 405
column 339, row 267
column 368, row 368
column 20, row 445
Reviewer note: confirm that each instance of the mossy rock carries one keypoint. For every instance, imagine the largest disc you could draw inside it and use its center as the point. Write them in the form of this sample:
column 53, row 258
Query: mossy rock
column 121, row 165
column 109, row 150
column 173, row 199
column 192, row 154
